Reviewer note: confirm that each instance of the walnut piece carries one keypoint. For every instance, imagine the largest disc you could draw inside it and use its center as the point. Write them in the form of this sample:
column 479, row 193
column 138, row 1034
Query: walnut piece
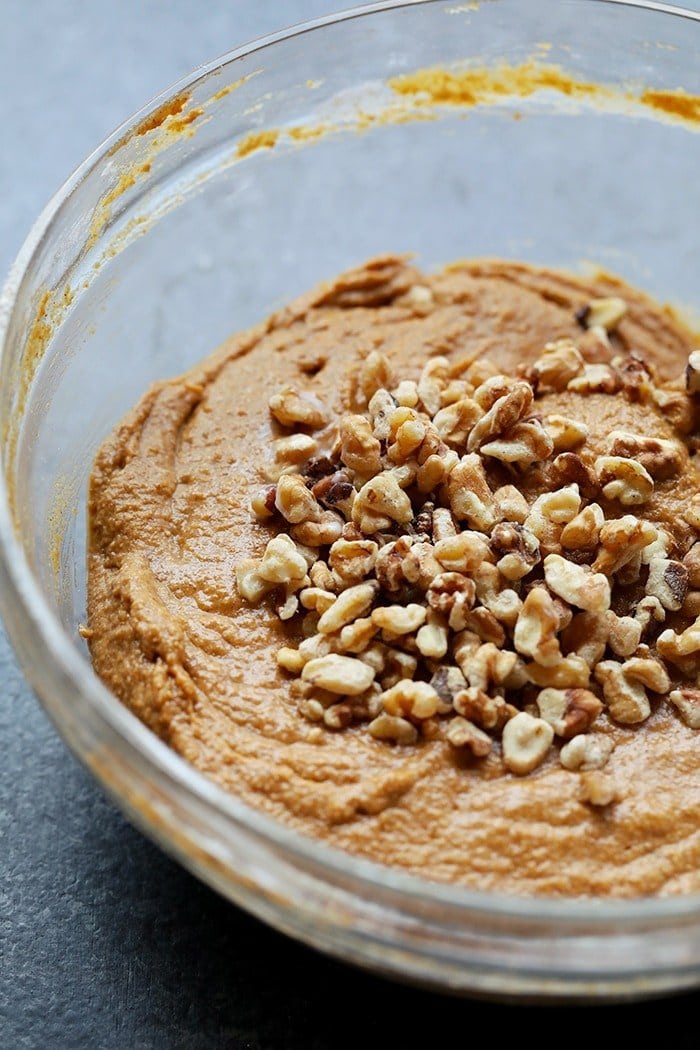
column 293, row 409
column 526, row 741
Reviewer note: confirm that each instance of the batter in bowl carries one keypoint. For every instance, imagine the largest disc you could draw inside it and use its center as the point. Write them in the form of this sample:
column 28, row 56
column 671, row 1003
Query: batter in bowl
column 413, row 568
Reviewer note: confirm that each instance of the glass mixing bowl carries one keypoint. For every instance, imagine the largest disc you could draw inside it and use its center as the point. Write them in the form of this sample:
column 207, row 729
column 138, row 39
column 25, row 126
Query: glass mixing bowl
column 273, row 167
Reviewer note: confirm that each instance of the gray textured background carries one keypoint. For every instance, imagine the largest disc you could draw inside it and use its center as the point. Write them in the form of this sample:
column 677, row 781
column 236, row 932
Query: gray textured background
column 104, row 942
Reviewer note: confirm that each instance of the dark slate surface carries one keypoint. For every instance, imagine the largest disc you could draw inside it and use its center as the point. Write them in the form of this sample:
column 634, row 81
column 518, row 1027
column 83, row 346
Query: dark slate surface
column 104, row 941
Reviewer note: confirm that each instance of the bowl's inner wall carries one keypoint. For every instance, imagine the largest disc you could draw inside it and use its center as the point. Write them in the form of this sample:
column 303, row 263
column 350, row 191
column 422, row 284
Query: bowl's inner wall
column 226, row 240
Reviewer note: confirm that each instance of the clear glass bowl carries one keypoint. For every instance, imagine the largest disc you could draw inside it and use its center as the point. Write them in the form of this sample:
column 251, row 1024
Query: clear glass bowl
column 185, row 226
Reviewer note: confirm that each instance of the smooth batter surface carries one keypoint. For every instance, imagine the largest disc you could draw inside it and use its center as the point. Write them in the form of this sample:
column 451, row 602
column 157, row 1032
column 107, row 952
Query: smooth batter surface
column 170, row 520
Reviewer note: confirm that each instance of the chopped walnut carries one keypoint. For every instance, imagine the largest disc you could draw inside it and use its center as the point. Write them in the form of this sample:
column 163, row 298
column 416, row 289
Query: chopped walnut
column 691, row 512
column 293, row 409
column 624, row 480
column 399, row 619
column 294, row 501
column 519, row 550
column 360, row 450
column 432, row 638
column 659, row 457
column 283, row 563
column 406, row 393
column 454, row 423
column 420, row 565
column 379, row 502
column 621, row 540
column 596, row 379
column 676, row 647
column 667, row 581
column 550, row 513
column 577, row 584
column 536, row 629
column 447, row 683
column 626, row 698
column 624, row 633
column 692, row 373
column 587, row 636
column 356, row 637
column 489, row 666
column 604, row 313
column 583, row 531
column 526, row 741
column 461, row 734
column 352, row 560
column 289, row 452
column 338, row 674
column 433, row 380
column 411, row 699
column 381, row 408
column 560, row 362
column 463, row 553
column 649, row 611
column 452, row 595
column 375, row 374
column 391, row 727
column 598, row 788
column 510, row 505
column 444, row 526
column 350, row 605
column 569, row 711
column 503, row 414
column 469, row 495
column 525, row 443
column 687, row 702
column 566, row 433
column 587, row 751
column 327, row 529
column 572, row 672
column 488, row 712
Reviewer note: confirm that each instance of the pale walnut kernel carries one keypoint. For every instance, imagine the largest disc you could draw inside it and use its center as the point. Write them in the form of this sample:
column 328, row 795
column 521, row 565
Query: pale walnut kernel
column 399, row 619
column 432, row 638
column 518, row 548
column 598, row 788
column 626, row 699
column 624, row 480
column 503, row 414
column 447, row 683
column 454, row 423
column 602, row 313
column 375, row 374
column 316, row 598
column 569, row 711
column 489, row 666
column 482, row 623
column 360, row 450
column 338, row 674
column 577, row 584
column 326, row 530
column 283, row 563
column 692, row 373
column 463, row 734
column 432, row 382
column 566, row 434
column 667, row 581
column 560, row 362
column 411, row 699
column 491, row 388
column 550, row 513
column 624, row 633
column 358, row 636
column 380, row 409
column 488, row 712
column 525, row 443
column 251, row 586
column 352, row 560
column 294, row 501
column 687, row 703
column 463, row 553
column 536, row 628
column 379, row 502
column 390, row 727
column 596, row 379
column 621, row 540
column 420, row 566
column 583, row 531
column 293, row 409
column 452, row 595
column 572, row 672
column 469, row 495
column 406, row 393
column 587, row 751
column 444, row 526
column 510, row 505
column 659, row 457
column 290, row 659
column 289, row 452
column 648, row 612
column 651, row 673
column 526, row 741
column 350, row 605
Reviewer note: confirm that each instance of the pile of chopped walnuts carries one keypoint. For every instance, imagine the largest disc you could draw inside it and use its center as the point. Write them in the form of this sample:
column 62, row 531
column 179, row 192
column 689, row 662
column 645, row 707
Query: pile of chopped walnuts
column 435, row 601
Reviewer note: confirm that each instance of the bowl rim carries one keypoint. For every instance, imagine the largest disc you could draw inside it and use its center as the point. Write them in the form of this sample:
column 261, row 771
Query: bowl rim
column 24, row 594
